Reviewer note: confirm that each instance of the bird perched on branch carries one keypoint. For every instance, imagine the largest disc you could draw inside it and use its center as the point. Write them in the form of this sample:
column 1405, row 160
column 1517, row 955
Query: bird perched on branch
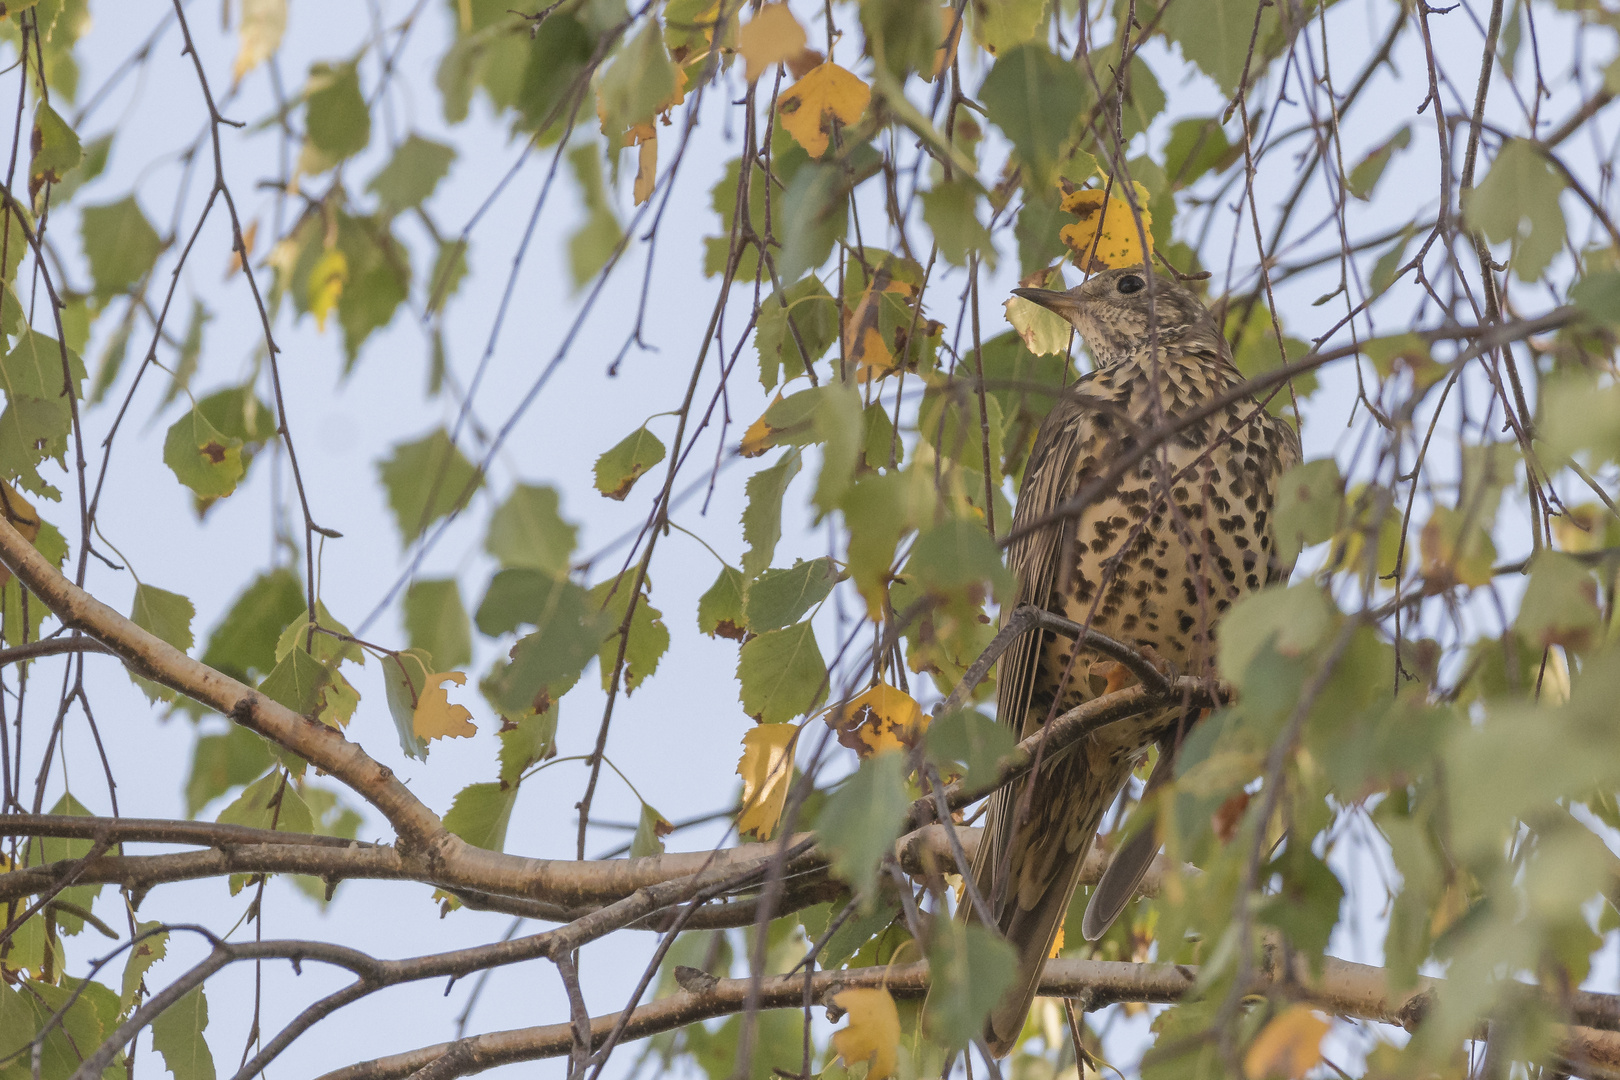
column 1149, row 551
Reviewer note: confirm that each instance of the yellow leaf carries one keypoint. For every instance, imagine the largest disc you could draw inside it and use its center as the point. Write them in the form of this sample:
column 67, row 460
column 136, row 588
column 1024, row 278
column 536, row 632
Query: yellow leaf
column 646, row 169
column 641, row 133
column 772, row 37
column 326, row 283
column 1120, row 242
column 435, row 717
column 810, row 106
column 757, row 439
column 22, row 515
column 950, row 33
column 263, row 23
column 1455, row 550
column 1289, row 1046
column 864, row 345
column 766, row 769
column 249, row 236
column 882, row 718
column 873, row 1034
column 1057, row 946
column 1580, row 528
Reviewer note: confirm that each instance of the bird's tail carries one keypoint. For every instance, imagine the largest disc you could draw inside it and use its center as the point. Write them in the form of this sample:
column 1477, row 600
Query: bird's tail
column 1028, row 866
column 1033, row 932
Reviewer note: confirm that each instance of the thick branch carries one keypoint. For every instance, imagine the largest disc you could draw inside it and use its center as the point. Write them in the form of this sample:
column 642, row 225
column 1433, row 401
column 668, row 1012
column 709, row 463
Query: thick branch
column 339, row 860
column 1345, row 989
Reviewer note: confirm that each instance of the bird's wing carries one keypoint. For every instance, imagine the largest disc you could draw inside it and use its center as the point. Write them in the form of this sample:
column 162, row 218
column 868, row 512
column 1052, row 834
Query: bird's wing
column 1040, row 857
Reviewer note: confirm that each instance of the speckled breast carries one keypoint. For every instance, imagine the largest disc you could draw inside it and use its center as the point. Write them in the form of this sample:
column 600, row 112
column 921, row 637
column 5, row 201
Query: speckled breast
column 1186, row 532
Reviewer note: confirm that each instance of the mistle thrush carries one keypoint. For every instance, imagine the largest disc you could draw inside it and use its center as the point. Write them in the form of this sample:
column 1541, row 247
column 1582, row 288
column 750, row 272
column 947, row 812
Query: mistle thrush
column 1152, row 561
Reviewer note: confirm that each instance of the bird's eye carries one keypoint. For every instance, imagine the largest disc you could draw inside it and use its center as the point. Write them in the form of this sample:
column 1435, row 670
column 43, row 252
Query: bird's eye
column 1130, row 283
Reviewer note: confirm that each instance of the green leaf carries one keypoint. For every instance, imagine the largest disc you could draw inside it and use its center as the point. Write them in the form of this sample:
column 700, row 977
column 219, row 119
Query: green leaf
column 222, row 762
column 202, row 457
column 449, row 270
column 240, row 413
column 1292, row 620
column 619, row 468
column 815, row 212
column 840, row 427
column 593, row 243
column 530, row 739
column 974, row 741
column 1365, row 176
column 185, row 364
column 31, row 431
column 379, row 280
column 1308, row 503
column 949, row 211
column 1518, row 201
column 324, row 647
column 152, row 947
column 1559, row 605
column 337, row 122
column 548, row 662
column 91, row 165
column 1215, row 35
column 297, row 681
column 762, row 517
column 120, row 244
column 112, row 359
column 436, row 623
column 270, row 803
column 640, row 79
column 177, row 1034
column 524, row 597
column 1005, row 24
column 551, row 77
column 405, row 679
column 426, row 480
column 904, row 34
column 862, row 819
column 56, row 148
column 527, row 531
column 958, row 554
column 782, row 674
column 481, row 813
column 647, row 638
column 1040, row 222
column 1598, row 295
column 1197, row 146
column 720, row 609
column 1306, row 907
column 650, row 833
column 33, row 368
column 781, row 597
column 167, row 616
column 410, row 176
column 813, row 312
column 972, row 968
column 1035, row 98
column 43, row 850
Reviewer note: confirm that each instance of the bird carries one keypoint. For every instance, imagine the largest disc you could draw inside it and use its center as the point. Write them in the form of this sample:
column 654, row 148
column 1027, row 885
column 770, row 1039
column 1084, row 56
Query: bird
column 1152, row 560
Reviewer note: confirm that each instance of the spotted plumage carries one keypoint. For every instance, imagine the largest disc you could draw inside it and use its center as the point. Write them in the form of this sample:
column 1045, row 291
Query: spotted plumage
column 1153, row 561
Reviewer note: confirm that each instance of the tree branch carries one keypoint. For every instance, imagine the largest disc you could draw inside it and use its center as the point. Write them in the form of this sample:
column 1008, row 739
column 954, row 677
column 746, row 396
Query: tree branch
column 1344, row 988
column 916, row 852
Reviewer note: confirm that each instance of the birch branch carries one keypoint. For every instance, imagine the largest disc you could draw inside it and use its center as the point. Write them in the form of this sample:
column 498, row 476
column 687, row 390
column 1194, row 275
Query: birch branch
column 1344, row 988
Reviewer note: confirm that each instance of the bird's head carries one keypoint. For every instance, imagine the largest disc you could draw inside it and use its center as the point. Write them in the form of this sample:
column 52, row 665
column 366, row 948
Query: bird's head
column 1112, row 311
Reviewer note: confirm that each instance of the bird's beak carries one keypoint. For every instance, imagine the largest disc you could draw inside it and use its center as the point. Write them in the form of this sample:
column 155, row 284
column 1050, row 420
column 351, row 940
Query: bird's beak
column 1060, row 302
